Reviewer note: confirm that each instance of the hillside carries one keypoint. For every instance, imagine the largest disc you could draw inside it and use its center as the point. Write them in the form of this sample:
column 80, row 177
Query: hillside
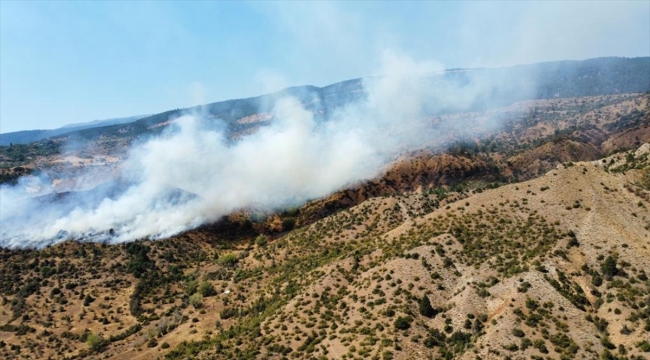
column 588, row 101
column 534, row 137
column 555, row 266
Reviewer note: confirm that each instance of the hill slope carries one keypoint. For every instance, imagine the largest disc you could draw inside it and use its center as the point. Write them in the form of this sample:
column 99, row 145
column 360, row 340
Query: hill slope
column 555, row 266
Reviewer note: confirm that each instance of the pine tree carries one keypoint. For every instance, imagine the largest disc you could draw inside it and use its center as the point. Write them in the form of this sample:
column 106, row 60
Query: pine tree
column 426, row 309
column 609, row 267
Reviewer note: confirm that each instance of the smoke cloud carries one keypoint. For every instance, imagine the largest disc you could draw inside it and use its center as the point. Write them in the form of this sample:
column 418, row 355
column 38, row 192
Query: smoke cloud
column 193, row 174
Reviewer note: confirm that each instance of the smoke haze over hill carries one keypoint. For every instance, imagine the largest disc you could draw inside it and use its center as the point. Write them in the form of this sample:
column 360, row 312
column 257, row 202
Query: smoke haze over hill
column 192, row 174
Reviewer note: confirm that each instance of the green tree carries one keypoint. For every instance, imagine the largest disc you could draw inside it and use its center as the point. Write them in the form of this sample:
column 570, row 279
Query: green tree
column 609, row 267
column 288, row 224
column 196, row 300
column 403, row 322
column 95, row 341
column 426, row 309
column 207, row 289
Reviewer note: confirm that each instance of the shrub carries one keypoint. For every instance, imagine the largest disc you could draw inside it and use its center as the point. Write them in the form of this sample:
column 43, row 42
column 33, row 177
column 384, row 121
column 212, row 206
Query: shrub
column 607, row 355
column 524, row 287
column 196, row 300
column 228, row 259
column 596, row 280
column 430, row 342
column 403, row 322
column 88, row 300
column 541, row 346
column 95, row 342
column 262, row 240
column 206, row 289
column 288, row 224
column 644, row 346
column 459, row 339
column 609, row 267
column 191, row 287
column 228, row 313
column 625, row 330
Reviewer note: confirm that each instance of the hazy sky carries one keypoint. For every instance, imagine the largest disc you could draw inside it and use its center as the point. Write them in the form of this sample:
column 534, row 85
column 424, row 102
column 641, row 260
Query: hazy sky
column 68, row 62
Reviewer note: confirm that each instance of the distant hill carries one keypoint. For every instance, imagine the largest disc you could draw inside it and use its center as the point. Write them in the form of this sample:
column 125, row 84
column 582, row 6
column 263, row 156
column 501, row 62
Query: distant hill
column 28, row 136
column 107, row 122
column 560, row 79
column 601, row 76
column 320, row 100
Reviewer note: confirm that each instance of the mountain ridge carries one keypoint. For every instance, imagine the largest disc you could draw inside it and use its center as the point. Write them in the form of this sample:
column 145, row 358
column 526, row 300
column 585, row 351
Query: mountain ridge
column 569, row 78
column 29, row 136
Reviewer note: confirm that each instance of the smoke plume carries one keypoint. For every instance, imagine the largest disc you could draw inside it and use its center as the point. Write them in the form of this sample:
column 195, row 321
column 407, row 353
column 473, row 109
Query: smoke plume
column 193, row 174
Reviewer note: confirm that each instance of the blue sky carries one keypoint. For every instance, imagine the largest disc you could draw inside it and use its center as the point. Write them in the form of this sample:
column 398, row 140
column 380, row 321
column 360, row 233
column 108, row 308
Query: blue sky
column 69, row 62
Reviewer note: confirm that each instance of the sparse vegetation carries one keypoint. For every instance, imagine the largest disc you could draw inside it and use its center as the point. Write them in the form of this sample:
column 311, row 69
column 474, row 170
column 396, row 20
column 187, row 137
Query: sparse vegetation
column 363, row 278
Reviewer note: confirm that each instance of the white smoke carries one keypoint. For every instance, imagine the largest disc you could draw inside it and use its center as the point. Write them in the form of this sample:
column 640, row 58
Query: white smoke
column 193, row 174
